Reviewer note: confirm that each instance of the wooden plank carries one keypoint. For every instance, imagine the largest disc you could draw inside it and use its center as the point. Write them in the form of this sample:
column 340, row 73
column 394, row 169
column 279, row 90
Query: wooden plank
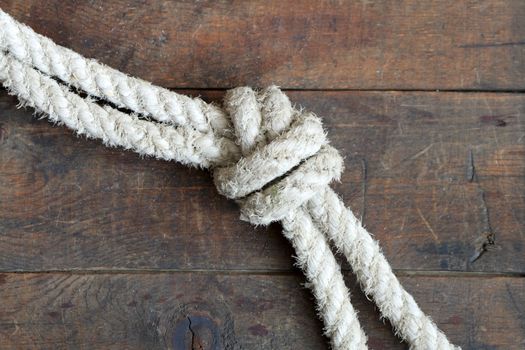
column 443, row 172
column 217, row 311
column 410, row 44
column 433, row 175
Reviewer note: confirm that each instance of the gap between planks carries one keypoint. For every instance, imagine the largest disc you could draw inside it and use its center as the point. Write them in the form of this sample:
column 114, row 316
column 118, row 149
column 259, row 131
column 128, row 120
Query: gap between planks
column 398, row 272
column 385, row 90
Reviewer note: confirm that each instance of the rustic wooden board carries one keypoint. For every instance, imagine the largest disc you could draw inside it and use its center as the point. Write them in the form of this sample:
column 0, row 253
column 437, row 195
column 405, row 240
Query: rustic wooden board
column 217, row 311
column 434, row 174
column 411, row 44
column 102, row 249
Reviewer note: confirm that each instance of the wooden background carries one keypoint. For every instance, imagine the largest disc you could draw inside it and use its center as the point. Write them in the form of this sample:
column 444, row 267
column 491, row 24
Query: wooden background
column 100, row 249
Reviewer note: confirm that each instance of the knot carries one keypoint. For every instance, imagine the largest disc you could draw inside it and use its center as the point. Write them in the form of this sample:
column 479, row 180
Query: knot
column 285, row 159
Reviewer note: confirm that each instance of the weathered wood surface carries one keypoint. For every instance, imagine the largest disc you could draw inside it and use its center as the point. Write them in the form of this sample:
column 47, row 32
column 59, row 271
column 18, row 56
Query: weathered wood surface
column 102, row 249
column 433, row 173
column 413, row 44
column 217, row 311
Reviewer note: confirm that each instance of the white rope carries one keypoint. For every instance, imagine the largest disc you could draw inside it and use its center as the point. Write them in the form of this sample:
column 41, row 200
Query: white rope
column 183, row 144
column 323, row 273
column 272, row 146
column 374, row 273
column 273, row 159
column 107, row 83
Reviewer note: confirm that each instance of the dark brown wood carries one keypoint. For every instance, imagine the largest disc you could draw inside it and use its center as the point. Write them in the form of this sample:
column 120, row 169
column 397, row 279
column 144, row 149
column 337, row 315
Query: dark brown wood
column 217, row 311
column 432, row 174
column 296, row 44
column 100, row 249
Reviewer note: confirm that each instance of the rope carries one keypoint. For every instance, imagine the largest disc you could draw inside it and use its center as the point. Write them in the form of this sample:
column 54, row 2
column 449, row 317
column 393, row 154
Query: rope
column 273, row 159
column 183, row 143
column 374, row 273
column 271, row 147
column 104, row 82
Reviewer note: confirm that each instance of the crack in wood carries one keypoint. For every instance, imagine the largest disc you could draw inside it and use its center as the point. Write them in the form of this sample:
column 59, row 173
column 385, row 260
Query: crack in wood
column 471, row 171
column 488, row 236
column 193, row 347
column 481, row 45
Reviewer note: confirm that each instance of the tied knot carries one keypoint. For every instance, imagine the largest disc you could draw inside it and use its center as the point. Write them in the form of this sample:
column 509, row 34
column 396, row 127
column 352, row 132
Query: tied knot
column 285, row 159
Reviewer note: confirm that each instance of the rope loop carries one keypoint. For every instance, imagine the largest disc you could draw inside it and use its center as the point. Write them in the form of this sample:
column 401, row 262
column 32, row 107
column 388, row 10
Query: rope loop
column 285, row 156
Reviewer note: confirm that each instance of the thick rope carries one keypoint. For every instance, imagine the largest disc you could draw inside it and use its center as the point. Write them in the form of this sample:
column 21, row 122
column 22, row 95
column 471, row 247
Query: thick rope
column 104, row 82
column 374, row 273
column 186, row 145
column 307, row 184
column 273, row 159
column 272, row 146
column 323, row 273
column 183, row 143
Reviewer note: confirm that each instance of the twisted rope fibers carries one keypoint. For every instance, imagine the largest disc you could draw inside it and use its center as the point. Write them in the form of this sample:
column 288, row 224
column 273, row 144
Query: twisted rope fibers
column 273, row 159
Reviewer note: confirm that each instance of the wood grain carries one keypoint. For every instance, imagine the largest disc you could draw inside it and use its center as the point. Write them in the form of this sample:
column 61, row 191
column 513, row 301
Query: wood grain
column 382, row 44
column 434, row 176
column 101, row 249
column 216, row 311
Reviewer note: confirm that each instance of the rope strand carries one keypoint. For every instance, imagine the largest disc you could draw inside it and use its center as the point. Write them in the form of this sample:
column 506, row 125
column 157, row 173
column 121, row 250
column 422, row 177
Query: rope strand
column 183, row 144
column 374, row 273
column 101, row 81
column 325, row 279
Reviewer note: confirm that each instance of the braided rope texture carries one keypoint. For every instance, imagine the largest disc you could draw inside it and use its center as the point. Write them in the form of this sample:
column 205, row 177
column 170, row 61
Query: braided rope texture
column 273, row 159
